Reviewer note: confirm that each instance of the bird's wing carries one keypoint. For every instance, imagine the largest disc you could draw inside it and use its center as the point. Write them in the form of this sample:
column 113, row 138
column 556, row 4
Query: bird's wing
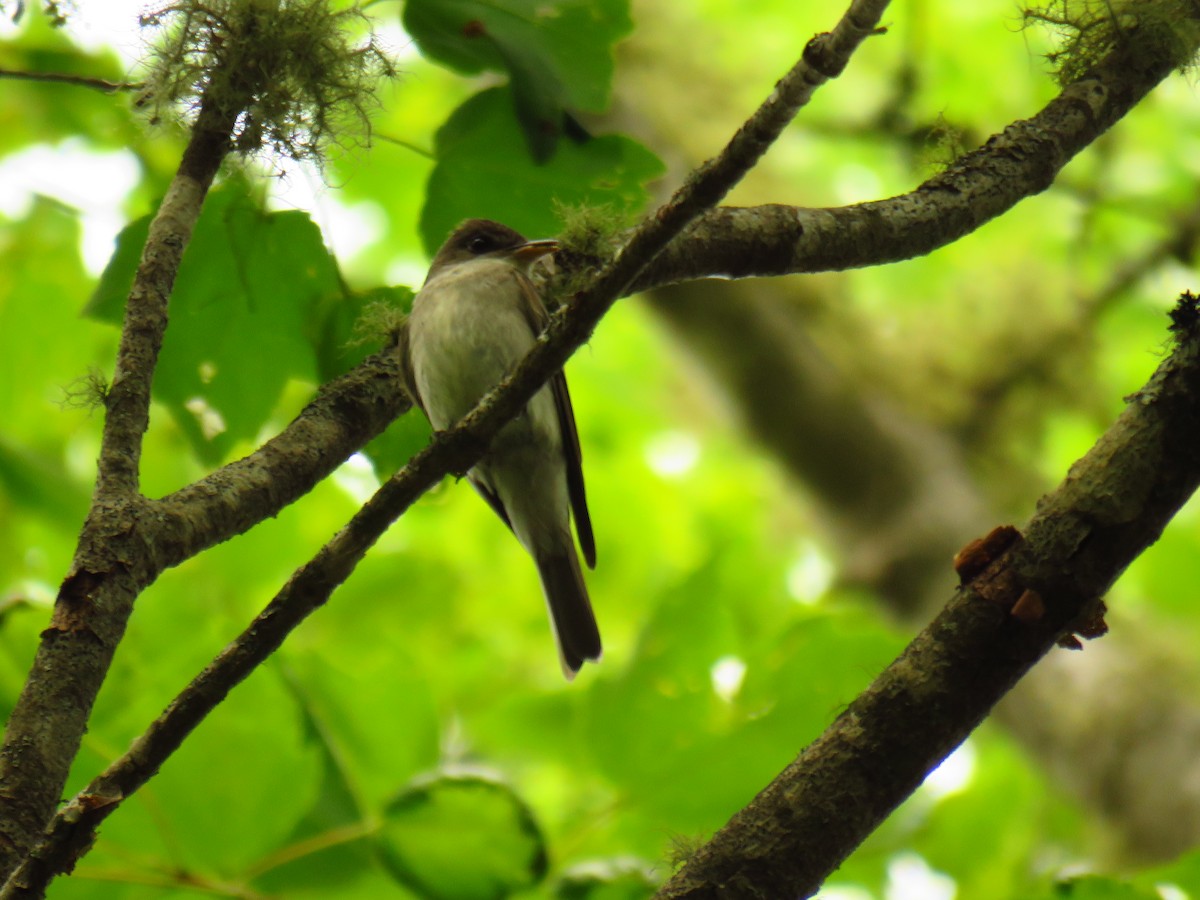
column 410, row 385
column 536, row 315
column 490, row 496
column 406, row 368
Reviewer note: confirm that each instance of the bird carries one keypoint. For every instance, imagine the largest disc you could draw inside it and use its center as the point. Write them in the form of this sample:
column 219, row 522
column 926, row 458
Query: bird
column 474, row 318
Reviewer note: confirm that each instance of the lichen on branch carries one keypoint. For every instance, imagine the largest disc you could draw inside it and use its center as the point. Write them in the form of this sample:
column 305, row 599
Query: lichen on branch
column 1090, row 30
column 287, row 69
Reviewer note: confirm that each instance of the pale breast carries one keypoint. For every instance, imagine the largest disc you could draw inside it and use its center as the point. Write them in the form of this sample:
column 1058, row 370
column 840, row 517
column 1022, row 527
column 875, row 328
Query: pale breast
column 466, row 331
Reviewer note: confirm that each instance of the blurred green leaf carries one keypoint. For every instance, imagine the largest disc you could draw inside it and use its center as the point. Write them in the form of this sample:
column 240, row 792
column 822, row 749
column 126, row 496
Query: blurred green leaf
column 337, row 323
column 558, row 54
column 41, row 488
column 1183, row 873
column 482, row 171
column 1097, row 887
column 341, row 345
column 46, row 348
column 618, row 879
column 221, row 803
column 462, row 837
column 241, row 314
column 48, row 111
column 363, row 755
column 398, row 442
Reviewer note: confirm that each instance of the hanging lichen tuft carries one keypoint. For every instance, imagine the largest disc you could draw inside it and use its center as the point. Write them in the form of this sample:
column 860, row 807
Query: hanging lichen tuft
column 286, row 71
column 1159, row 30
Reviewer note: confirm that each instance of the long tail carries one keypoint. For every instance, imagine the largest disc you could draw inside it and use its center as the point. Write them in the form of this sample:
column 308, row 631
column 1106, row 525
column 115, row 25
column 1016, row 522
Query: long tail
column 570, row 610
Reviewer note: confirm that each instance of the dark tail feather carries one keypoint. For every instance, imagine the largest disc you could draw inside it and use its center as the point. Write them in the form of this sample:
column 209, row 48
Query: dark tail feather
column 570, row 610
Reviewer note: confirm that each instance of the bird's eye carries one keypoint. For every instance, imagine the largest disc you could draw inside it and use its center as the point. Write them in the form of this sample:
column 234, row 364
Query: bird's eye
column 478, row 245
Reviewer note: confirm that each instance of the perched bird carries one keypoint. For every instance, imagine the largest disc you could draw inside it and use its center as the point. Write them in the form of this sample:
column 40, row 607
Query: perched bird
column 473, row 320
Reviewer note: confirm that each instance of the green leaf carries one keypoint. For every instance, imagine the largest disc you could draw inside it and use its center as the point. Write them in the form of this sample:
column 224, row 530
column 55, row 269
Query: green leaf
column 398, row 442
column 229, row 795
column 558, row 54
column 462, row 837
column 336, row 336
column 483, row 171
column 38, row 111
column 1183, row 873
column 329, row 849
column 1096, row 887
column 241, row 314
column 615, row 879
column 35, row 483
column 45, row 349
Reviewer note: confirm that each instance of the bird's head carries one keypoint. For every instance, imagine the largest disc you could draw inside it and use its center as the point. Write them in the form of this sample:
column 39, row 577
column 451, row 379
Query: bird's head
column 477, row 238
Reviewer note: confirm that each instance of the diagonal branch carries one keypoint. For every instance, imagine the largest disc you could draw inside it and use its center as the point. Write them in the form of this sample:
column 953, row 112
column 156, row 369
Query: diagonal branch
column 1113, row 504
column 456, row 450
column 345, row 414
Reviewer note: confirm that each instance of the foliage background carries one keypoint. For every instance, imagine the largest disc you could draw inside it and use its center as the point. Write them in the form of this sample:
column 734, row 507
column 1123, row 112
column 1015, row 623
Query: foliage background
column 415, row 737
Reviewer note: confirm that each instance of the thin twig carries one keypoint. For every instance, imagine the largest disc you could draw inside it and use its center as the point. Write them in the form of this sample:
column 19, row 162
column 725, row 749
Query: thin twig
column 99, row 84
column 407, row 145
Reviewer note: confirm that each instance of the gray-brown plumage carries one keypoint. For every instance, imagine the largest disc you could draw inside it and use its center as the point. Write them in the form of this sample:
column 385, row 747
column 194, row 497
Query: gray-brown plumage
column 475, row 317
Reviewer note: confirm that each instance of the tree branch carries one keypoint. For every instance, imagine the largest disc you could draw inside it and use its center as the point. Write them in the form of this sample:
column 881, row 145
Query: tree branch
column 455, row 450
column 99, row 84
column 1021, row 161
column 127, row 405
column 345, row 414
column 110, row 566
column 894, row 535
column 1113, row 504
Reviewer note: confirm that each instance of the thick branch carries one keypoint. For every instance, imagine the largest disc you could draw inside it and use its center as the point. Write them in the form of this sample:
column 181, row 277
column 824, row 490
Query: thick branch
column 455, row 450
column 110, row 565
column 1021, row 161
column 1114, row 503
column 345, row 414
column 894, row 533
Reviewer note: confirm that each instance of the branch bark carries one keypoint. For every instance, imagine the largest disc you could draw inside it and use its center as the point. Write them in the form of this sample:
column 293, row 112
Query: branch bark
column 1113, row 504
column 1021, row 161
column 894, row 535
column 110, row 568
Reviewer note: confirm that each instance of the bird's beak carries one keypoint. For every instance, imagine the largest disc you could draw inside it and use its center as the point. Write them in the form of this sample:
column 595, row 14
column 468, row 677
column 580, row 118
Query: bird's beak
column 530, row 252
